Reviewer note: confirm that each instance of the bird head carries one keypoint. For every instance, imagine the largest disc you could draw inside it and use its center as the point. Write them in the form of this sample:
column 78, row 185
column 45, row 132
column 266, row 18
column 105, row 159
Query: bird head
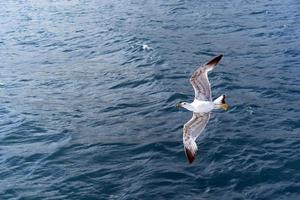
column 180, row 104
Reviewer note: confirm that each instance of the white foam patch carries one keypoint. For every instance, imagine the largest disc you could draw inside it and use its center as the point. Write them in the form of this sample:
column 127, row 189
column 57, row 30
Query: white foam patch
column 250, row 110
column 146, row 47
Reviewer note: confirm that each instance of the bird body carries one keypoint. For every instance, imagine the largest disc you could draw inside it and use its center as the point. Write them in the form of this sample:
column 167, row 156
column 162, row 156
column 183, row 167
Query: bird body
column 201, row 107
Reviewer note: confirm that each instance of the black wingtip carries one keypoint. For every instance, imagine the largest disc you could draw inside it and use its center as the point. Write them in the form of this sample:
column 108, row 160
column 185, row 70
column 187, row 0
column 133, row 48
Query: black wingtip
column 215, row 60
column 190, row 156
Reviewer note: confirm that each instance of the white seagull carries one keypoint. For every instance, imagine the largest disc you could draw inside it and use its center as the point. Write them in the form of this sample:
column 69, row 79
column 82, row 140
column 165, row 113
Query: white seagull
column 201, row 107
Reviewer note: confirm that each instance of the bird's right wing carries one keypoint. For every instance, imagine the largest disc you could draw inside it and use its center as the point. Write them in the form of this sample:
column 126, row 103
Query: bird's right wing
column 200, row 82
column 191, row 130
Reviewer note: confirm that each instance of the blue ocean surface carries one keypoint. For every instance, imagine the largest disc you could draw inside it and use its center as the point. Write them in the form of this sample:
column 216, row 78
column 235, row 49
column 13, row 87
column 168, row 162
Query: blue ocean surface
column 88, row 92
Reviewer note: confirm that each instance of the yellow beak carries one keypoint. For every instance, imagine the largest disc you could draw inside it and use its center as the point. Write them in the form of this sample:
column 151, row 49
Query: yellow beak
column 178, row 105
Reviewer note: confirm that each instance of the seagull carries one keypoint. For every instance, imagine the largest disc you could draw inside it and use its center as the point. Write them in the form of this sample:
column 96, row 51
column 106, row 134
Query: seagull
column 201, row 107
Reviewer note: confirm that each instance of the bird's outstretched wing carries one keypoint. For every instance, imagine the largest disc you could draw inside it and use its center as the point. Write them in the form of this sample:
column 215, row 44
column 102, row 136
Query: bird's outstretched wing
column 200, row 82
column 191, row 130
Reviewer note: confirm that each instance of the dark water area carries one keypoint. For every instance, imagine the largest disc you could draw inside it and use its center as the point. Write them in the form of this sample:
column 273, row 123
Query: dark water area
column 87, row 113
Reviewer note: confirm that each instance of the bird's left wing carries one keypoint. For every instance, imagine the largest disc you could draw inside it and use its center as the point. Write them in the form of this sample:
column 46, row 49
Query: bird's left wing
column 191, row 130
column 200, row 82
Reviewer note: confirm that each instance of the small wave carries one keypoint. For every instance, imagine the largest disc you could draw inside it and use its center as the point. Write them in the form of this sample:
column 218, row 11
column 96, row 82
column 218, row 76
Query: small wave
column 129, row 84
column 259, row 12
column 177, row 96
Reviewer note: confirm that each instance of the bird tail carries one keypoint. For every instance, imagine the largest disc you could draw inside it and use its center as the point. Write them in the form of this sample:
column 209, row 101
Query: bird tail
column 220, row 102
